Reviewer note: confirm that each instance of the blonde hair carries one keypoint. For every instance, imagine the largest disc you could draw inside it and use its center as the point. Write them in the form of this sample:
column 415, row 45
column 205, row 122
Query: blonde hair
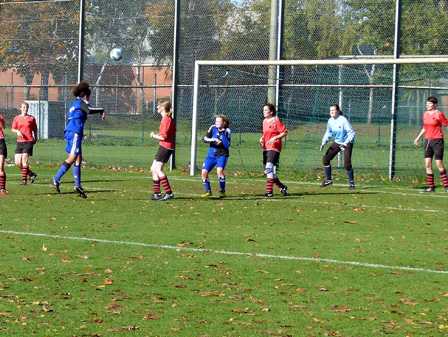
column 167, row 106
column 225, row 120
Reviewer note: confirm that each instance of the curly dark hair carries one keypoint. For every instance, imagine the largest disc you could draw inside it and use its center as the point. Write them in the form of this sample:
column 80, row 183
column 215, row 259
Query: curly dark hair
column 81, row 90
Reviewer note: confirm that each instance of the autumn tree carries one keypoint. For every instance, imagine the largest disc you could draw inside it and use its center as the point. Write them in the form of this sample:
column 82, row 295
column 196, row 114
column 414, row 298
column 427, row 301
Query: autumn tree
column 39, row 39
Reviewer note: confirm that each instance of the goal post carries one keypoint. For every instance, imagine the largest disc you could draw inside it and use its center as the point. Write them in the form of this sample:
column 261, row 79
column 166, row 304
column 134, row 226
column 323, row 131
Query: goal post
column 361, row 86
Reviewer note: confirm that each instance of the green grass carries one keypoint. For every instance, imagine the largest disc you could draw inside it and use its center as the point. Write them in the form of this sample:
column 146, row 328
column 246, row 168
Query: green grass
column 319, row 262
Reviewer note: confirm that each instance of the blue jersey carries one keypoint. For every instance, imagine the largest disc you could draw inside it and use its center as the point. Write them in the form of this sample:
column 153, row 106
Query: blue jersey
column 340, row 129
column 219, row 141
column 77, row 115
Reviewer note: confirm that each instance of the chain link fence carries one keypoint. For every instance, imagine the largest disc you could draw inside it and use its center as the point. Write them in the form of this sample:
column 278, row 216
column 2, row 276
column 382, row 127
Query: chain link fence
column 39, row 61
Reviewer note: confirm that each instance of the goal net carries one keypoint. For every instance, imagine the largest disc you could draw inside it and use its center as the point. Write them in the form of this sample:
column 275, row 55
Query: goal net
column 303, row 92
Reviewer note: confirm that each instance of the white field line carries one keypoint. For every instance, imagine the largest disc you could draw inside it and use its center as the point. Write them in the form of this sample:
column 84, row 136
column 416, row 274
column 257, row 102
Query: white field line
column 224, row 252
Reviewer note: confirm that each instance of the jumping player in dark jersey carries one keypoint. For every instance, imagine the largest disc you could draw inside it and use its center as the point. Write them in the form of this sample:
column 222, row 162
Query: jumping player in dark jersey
column 74, row 133
column 219, row 138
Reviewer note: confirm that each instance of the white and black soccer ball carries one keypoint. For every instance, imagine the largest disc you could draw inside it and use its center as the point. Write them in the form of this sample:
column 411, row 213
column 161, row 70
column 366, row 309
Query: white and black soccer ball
column 116, row 54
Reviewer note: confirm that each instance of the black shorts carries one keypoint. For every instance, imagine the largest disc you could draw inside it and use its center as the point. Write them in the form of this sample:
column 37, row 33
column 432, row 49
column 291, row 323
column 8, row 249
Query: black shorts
column 163, row 155
column 270, row 156
column 3, row 149
column 24, row 147
column 434, row 148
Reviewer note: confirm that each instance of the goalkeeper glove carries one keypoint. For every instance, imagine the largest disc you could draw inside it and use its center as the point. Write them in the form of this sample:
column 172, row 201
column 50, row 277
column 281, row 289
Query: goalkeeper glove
column 343, row 146
column 322, row 147
column 217, row 141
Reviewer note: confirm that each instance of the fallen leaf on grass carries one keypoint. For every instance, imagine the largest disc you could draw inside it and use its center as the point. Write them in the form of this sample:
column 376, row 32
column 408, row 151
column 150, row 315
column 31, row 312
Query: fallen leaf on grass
column 151, row 316
column 158, row 299
column 126, row 328
column 341, row 308
column 44, row 309
column 245, row 310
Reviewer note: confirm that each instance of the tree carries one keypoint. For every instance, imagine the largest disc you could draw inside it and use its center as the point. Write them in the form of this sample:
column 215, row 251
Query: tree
column 38, row 39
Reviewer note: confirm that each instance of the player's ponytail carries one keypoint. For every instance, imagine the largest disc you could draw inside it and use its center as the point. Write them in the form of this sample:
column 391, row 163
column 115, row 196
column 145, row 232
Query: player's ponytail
column 167, row 106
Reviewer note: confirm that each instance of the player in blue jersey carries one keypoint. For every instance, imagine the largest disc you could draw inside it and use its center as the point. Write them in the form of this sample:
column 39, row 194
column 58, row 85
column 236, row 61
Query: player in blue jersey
column 74, row 132
column 339, row 128
column 219, row 137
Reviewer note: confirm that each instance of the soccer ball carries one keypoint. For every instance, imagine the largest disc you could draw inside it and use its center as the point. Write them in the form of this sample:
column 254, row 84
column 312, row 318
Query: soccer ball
column 116, row 54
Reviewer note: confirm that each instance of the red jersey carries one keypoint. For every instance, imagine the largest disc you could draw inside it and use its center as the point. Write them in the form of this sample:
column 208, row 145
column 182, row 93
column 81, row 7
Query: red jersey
column 432, row 123
column 26, row 125
column 273, row 127
column 2, row 135
column 167, row 130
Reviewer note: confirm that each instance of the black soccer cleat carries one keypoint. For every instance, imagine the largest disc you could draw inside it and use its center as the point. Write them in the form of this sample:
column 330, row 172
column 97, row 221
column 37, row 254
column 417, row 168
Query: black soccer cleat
column 351, row 187
column 33, row 178
column 429, row 189
column 326, row 183
column 167, row 196
column 80, row 191
column 56, row 184
column 156, row 196
column 283, row 190
column 268, row 194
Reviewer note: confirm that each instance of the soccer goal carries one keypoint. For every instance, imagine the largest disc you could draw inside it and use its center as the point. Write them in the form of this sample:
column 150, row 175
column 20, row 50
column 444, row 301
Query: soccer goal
column 382, row 97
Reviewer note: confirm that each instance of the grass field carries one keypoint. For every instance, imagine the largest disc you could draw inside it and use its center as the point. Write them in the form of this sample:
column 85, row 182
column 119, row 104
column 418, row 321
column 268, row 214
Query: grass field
column 319, row 262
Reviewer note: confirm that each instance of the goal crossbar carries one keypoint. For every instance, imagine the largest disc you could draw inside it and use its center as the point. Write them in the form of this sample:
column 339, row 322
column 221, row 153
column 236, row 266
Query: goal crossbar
column 410, row 60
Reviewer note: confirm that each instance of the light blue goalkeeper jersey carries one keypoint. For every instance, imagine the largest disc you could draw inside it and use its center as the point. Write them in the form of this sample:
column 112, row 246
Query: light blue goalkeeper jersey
column 340, row 129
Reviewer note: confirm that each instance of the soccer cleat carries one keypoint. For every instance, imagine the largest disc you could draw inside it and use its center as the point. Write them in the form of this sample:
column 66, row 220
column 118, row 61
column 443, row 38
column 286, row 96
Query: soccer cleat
column 326, row 183
column 268, row 194
column 167, row 197
column 283, row 190
column 33, row 178
column 80, row 192
column 446, row 188
column 156, row 196
column 351, row 187
column 23, row 182
column 429, row 189
column 3, row 191
column 222, row 194
column 207, row 194
column 56, row 184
